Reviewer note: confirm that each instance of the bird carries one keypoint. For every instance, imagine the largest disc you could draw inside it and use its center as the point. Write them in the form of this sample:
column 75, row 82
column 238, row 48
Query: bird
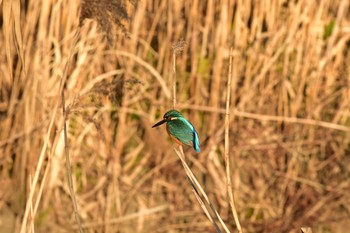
column 179, row 129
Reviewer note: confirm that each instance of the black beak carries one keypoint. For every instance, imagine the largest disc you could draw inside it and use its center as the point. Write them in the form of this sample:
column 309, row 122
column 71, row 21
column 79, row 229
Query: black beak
column 159, row 123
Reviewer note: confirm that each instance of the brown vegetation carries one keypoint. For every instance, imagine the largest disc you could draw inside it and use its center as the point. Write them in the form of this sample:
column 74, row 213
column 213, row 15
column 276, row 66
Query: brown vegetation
column 289, row 114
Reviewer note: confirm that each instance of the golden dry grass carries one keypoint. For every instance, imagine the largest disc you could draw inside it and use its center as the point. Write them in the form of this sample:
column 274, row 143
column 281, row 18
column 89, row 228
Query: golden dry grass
column 289, row 115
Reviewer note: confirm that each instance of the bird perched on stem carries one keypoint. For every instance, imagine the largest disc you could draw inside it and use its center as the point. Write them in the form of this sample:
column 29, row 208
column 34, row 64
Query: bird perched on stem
column 180, row 129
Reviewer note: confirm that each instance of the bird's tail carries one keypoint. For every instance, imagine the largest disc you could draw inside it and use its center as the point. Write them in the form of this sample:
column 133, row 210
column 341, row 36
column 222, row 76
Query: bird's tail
column 196, row 142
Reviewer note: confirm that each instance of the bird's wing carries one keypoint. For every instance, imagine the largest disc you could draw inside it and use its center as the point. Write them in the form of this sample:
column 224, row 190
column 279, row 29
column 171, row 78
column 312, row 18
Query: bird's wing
column 184, row 132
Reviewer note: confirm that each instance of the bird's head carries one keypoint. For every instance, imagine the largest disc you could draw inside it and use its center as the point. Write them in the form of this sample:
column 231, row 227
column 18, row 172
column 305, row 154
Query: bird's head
column 168, row 116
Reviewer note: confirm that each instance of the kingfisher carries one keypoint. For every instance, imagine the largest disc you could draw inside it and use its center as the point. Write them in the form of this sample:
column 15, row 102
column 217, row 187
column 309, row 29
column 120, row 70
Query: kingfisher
column 180, row 129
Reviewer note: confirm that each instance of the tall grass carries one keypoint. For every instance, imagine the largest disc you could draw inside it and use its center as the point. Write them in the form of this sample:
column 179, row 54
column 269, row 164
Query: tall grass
column 289, row 125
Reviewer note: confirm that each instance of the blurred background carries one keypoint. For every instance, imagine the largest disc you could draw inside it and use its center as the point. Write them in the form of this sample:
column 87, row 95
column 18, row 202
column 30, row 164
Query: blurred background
column 289, row 128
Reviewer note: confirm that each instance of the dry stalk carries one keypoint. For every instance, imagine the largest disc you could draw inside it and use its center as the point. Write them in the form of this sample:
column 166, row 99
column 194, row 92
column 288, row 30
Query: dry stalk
column 264, row 117
column 196, row 186
column 66, row 145
column 41, row 188
column 227, row 146
column 31, row 208
column 133, row 216
column 306, row 230
column 174, row 80
column 176, row 48
column 200, row 201
column 38, row 169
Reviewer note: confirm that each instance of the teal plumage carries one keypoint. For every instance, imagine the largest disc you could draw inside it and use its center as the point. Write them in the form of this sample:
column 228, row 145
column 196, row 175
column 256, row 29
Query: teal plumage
column 180, row 129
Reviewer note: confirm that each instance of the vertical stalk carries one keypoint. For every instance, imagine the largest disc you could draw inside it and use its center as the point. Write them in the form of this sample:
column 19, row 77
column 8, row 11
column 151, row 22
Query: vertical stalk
column 66, row 145
column 68, row 168
column 227, row 146
column 174, row 78
column 176, row 48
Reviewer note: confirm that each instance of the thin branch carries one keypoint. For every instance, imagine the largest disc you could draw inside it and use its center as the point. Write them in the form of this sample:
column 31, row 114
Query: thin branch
column 194, row 183
column 174, row 80
column 263, row 117
column 306, row 230
column 128, row 217
column 227, row 147
column 31, row 208
column 200, row 201
column 190, row 178
column 66, row 145
column 176, row 48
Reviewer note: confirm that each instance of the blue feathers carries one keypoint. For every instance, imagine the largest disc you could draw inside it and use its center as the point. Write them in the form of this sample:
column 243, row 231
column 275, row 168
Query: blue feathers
column 196, row 141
